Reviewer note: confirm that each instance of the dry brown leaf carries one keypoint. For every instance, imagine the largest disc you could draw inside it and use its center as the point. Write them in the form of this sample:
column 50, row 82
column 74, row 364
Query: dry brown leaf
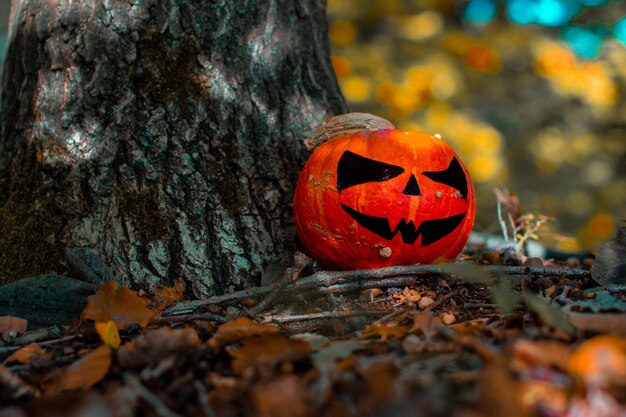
column 473, row 327
column 11, row 327
column 500, row 393
column 380, row 378
column 267, row 349
column 239, row 329
column 285, row 397
column 426, row 323
column 26, row 354
column 155, row 345
column 82, row 374
column 121, row 305
column 600, row 361
column 167, row 296
column 386, row 331
column 108, row 333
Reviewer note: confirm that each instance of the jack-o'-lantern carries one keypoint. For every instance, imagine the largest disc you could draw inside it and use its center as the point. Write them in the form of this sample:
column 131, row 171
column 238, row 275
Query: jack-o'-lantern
column 370, row 199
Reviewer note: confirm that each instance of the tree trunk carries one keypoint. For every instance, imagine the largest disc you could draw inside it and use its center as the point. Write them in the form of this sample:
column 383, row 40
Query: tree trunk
column 166, row 135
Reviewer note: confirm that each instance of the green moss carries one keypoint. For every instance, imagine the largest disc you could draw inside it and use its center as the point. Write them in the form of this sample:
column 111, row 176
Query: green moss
column 142, row 208
column 166, row 69
column 30, row 226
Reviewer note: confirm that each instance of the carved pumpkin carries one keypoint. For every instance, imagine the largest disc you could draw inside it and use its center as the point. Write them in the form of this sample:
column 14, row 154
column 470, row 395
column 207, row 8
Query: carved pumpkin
column 379, row 198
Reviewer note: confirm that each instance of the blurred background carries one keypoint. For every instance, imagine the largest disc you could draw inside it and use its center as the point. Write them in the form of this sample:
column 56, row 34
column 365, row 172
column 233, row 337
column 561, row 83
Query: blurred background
column 530, row 93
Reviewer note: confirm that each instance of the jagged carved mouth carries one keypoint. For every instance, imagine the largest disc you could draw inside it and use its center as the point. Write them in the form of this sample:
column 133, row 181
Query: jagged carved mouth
column 430, row 230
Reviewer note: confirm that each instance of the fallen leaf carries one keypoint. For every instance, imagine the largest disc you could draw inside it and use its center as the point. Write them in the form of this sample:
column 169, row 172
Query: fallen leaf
column 600, row 361
column 339, row 349
column 236, row 330
column 500, row 394
column 284, row 397
column 167, row 296
column 154, row 345
column 325, row 360
column 26, row 354
column 380, row 378
column 386, row 331
column 11, row 327
column 121, row 305
column 82, row 374
column 108, row 333
column 473, row 327
column 426, row 323
column 267, row 349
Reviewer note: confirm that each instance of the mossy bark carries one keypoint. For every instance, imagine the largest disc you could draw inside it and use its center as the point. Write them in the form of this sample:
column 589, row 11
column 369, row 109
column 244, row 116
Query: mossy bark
column 166, row 135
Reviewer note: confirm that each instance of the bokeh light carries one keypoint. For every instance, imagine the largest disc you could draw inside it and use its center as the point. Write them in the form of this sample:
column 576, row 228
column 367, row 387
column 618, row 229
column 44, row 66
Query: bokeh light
column 530, row 93
column 481, row 11
column 619, row 30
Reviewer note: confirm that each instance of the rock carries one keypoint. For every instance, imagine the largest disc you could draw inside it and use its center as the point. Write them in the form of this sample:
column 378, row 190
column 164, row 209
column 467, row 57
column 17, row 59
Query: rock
column 610, row 265
column 45, row 300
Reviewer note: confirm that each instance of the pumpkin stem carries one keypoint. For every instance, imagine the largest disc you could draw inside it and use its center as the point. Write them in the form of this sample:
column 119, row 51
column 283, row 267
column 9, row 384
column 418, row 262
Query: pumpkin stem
column 344, row 124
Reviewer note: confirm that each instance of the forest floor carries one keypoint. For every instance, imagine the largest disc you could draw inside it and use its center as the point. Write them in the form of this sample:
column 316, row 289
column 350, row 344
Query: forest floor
column 483, row 337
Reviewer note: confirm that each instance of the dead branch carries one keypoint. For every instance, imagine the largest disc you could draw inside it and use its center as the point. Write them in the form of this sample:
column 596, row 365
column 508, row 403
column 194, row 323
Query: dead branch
column 324, row 315
column 395, row 276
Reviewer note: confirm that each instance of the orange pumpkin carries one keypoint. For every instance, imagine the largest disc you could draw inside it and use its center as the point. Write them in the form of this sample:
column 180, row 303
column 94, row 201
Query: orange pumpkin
column 379, row 198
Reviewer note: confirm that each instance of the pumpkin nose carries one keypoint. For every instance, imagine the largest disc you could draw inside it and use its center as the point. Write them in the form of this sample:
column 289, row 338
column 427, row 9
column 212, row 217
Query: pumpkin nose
column 411, row 187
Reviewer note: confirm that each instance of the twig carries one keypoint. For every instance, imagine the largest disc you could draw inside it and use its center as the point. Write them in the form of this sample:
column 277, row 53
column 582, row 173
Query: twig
column 285, row 318
column 182, row 318
column 44, row 343
column 442, row 300
column 479, row 305
column 147, row 395
column 265, row 302
column 37, row 335
column 343, row 281
column 390, row 316
column 501, row 201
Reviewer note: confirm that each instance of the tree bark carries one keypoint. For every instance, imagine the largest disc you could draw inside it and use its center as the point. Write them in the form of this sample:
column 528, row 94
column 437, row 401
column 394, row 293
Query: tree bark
column 166, row 135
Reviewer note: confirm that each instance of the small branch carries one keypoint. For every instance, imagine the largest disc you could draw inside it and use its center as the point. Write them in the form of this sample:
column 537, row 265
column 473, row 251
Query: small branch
column 183, row 318
column 36, row 336
column 285, row 318
column 43, row 343
column 442, row 299
column 395, row 276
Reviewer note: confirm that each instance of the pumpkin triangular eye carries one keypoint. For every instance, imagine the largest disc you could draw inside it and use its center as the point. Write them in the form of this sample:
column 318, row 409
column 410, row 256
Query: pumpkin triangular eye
column 354, row 169
column 453, row 176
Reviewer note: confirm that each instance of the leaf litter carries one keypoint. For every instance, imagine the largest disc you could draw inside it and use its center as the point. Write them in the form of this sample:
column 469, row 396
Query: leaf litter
column 486, row 342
